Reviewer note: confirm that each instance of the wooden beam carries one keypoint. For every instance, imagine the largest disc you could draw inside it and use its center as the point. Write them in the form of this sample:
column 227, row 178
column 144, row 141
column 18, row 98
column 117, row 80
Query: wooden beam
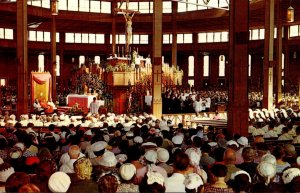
column 126, row 11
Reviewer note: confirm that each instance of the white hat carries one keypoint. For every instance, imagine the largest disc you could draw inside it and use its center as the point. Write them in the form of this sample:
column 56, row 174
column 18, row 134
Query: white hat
column 266, row 170
column 127, row 171
column 193, row 181
column 194, row 155
column 177, row 139
column 260, row 120
column 121, row 158
column 232, row 142
column 129, row 134
column 149, row 144
column 20, row 145
column 88, row 132
column 233, row 175
column 108, row 159
column 15, row 153
column 243, row 141
column 164, row 127
column 212, row 144
column 62, row 117
column 6, row 171
column 162, row 155
column 289, row 174
column 151, row 156
column 92, row 125
column 155, row 177
column 269, row 158
column 59, row 182
column 99, row 145
column 106, row 138
column 138, row 139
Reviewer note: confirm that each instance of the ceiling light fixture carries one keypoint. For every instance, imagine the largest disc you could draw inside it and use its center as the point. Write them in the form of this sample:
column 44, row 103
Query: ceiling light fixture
column 290, row 14
column 54, row 7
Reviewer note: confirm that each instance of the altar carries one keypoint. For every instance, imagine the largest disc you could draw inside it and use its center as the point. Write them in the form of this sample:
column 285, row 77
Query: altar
column 83, row 101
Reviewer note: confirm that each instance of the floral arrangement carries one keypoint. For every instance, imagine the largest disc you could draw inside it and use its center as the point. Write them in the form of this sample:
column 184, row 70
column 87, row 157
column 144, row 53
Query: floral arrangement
column 75, row 110
column 92, row 81
column 119, row 67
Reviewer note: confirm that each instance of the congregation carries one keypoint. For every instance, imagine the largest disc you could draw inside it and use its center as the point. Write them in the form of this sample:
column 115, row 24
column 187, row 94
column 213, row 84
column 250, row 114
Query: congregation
column 143, row 153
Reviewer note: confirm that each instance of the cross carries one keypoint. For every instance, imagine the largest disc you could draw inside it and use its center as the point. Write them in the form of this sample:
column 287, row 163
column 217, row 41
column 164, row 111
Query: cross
column 128, row 15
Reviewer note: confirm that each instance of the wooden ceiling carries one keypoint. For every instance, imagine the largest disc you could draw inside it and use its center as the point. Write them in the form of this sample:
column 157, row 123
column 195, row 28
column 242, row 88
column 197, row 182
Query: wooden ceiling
column 195, row 21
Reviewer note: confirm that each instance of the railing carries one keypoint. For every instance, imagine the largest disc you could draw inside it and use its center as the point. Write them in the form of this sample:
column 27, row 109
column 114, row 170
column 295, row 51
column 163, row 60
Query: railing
column 191, row 119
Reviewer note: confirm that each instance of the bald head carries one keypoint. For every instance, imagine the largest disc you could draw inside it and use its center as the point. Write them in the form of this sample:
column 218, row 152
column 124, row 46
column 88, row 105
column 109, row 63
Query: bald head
column 229, row 156
column 74, row 151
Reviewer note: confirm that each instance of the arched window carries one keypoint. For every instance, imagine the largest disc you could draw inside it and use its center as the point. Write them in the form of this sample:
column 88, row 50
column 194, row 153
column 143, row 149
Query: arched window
column 57, row 65
column 81, row 60
column 249, row 65
column 191, row 66
column 97, row 59
column 41, row 63
column 221, row 65
column 206, row 66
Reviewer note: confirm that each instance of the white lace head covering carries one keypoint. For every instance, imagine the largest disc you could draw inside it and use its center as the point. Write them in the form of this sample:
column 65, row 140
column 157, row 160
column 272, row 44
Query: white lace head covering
column 269, row 158
column 289, row 174
column 193, row 181
column 154, row 176
column 194, row 155
column 267, row 171
column 233, row 175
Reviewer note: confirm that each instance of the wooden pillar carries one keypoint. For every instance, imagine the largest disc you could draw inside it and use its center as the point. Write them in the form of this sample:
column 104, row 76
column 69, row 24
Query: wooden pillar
column 113, row 28
column 238, row 69
column 53, row 58
column 174, row 33
column 278, row 88
column 286, row 56
column 197, row 78
column 22, row 58
column 268, row 54
column 61, row 46
column 157, row 63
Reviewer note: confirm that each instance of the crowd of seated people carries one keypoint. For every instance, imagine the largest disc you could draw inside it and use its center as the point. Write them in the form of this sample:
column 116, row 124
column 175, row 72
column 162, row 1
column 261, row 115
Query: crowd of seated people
column 140, row 153
column 8, row 97
column 191, row 101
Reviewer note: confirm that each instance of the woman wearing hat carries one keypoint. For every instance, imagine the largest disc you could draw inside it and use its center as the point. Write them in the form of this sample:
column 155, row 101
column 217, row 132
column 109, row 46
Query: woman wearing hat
column 266, row 172
column 291, row 179
column 81, row 180
column 127, row 172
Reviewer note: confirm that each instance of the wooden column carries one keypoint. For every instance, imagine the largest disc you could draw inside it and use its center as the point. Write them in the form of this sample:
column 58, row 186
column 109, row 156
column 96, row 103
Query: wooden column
column 61, row 47
column 113, row 28
column 22, row 58
column 53, row 58
column 268, row 54
column 286, row 56
column 278, row 88
column 197, row 77
column 174, row 33
column 157, row 63
column 238, row 69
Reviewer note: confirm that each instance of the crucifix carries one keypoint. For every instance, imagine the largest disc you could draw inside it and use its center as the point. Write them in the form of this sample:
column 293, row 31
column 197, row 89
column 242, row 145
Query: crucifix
column 128, row 15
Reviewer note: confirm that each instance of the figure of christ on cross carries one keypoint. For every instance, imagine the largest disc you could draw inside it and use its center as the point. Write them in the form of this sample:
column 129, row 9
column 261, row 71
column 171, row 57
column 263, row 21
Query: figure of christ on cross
column 128, row 15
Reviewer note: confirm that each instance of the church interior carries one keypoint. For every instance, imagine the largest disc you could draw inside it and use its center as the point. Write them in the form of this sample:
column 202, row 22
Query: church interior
column 189, row 80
